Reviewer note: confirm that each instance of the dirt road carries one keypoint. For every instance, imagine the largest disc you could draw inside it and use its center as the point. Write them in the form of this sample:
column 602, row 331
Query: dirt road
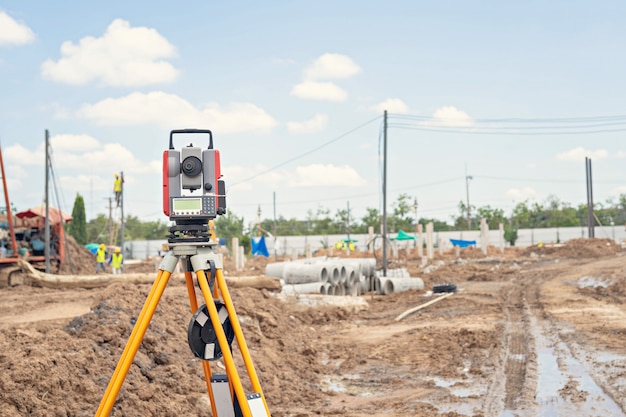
column 529, row 333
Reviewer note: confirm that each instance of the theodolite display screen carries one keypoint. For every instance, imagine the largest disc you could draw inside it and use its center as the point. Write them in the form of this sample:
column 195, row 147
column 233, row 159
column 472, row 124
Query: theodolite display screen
column 187, row 204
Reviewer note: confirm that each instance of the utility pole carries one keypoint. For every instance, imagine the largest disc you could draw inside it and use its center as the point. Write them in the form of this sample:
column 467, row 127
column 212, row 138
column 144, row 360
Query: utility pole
column 275, row 237
column 469, row 216
column 348, row 223
column 416, row 222
column 122, row 213
column 110, row 221
column 590, row 215
column 385, row 194
column 47, row 220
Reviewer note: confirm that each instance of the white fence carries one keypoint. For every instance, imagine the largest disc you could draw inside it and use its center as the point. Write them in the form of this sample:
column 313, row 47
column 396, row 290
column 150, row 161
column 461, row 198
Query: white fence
column 286, row 245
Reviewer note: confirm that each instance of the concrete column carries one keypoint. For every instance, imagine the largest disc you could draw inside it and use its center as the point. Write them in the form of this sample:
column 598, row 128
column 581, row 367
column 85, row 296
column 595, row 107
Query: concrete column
column 309, row 254
column 234, row 250
column 241, row 258
column 484, row 235
column 440, row 243
column 501, row 234
column 370, row 237
column 394, row 250
column 294, row 254
column 429, row 241
column 420, row 241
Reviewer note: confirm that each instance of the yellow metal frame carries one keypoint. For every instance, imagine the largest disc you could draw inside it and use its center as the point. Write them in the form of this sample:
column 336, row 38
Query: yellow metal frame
column 147, row 312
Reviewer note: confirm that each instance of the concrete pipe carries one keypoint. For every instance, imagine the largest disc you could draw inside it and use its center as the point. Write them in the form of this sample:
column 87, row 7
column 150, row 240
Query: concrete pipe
column 275, row 269
column 365, row 266
column 379, row 283
column 339, row 289
column 352, row 276
column 391, row 285
column 327, row 288
column 342, row 273
column 334, row 274
column 352, row 289
column 297, row 273
column 365, row 284
column 308, row 288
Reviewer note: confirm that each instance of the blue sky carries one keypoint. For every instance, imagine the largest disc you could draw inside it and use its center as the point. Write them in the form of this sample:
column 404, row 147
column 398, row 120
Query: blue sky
column 464, row 83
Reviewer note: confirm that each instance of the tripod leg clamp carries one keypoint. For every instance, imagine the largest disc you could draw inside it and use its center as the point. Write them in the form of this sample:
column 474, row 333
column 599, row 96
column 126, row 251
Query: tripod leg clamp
column 169, row 262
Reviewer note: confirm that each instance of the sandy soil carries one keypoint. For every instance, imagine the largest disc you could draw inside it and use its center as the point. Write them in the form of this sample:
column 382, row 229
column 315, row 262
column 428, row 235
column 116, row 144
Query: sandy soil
column 531, row 332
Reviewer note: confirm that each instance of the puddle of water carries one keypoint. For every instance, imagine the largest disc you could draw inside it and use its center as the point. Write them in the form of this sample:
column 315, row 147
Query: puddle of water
column 587, row 281
column 552, row 378
column 457, row 388
column 334, row 386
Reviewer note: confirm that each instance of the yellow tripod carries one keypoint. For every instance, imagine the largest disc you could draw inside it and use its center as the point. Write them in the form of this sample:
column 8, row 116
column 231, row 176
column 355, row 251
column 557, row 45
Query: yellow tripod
column 206, row 332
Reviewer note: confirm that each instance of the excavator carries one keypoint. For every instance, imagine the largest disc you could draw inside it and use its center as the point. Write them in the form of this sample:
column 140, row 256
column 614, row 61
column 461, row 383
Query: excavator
column 22, row 238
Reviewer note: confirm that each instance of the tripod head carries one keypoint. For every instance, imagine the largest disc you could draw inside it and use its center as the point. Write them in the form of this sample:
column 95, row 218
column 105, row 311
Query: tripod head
column 195, row 172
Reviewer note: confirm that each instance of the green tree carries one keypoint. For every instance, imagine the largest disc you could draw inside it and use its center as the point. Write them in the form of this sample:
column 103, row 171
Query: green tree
column 78, row 226
column 372, row 218
column 135, row 229
column 321, row 223
column 97, row 230
column 400, row 218
column 229, row 226
column 438, row 225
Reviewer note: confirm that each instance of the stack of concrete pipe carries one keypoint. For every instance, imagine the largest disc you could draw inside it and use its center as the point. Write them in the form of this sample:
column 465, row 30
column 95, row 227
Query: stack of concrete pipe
column 339, row 276
column 396, row 280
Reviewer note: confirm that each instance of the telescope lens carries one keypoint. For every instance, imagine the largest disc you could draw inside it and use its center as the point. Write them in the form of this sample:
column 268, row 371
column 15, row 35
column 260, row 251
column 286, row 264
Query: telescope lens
column 191, row 166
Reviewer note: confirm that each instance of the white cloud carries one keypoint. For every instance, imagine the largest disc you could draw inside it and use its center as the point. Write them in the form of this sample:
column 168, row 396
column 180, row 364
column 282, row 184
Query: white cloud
column 620, row 154
column 123, row 56
column 317, row 123
column 521, row 194
column 170, row 111
column 314, row 90
column 332, row 66
column 451, row 116
column 13, row 32
column 328, row 175
column 580, row 153
column 392, row 105
column 91, row 156
column 73, row 143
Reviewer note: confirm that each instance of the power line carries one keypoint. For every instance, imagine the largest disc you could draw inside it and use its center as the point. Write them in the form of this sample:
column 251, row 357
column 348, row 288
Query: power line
column 305, row 153
column 583, row 119
column 504, row 131
column 513, row 126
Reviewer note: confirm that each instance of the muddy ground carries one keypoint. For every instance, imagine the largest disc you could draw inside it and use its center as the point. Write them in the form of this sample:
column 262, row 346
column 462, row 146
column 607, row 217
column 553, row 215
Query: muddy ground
column 530, row 332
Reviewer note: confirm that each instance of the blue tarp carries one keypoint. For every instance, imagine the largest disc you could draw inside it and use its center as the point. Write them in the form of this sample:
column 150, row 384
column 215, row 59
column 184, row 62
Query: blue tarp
column 463, row 243
column 92, row 247
column 258, row 247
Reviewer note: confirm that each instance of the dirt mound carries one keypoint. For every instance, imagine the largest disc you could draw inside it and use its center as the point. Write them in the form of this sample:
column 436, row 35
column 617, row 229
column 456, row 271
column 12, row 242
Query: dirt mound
column 577, row 248
column 78, row 259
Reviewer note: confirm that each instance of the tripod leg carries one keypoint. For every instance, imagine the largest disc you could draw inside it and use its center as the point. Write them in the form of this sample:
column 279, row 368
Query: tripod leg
column 193, row 303
column 227, row 355
column 132, row 346
column 133, row 335
column 241, row 341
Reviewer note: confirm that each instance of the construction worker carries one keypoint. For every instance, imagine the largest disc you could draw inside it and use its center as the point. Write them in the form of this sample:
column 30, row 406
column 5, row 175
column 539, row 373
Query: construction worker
column 101, row 258
column 116, row 261
column 117, row 188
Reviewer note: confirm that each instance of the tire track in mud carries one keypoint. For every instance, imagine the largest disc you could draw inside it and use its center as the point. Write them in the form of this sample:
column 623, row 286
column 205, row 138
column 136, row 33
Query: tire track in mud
column 512, row 385
column 514, row 389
